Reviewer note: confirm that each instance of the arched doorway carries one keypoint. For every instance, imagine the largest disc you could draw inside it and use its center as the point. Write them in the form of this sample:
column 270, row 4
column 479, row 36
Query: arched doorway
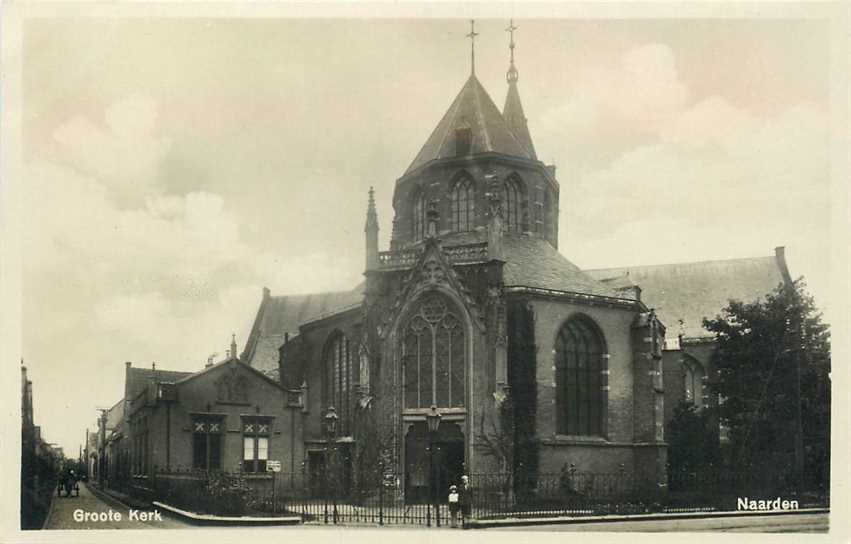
column 447, row 464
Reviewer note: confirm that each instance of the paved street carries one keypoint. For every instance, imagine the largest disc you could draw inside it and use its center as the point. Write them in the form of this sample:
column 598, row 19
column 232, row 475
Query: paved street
column 62, row 516
column 795, row 523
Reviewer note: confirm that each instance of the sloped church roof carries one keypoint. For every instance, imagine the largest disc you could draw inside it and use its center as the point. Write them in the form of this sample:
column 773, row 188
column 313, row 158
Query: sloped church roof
column 692, row 291
column 472, row 109
column 282, row 315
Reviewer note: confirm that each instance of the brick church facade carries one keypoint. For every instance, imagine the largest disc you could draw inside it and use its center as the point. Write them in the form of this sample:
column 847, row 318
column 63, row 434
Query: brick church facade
column 473, row 307
column 533, row 364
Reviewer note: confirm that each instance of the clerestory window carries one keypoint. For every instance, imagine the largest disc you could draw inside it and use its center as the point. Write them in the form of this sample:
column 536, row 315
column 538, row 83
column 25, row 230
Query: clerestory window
column 463, row 205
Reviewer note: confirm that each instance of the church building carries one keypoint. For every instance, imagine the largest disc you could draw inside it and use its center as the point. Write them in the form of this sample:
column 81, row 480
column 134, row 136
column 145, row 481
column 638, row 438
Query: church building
column 474, row 317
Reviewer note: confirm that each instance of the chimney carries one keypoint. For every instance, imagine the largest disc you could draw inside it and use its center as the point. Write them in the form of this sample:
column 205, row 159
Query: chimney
column 266, row 293
column 153, row 365
column 233, row 346
column 286, row 337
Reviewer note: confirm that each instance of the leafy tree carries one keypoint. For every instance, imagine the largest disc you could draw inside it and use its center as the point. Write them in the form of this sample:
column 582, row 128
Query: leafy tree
column 773, row 381
column 692, row 437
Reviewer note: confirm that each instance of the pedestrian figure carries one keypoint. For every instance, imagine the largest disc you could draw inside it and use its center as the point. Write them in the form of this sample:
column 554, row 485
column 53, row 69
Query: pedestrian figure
column 465, row 495
column 70, row 480
column 454, row 505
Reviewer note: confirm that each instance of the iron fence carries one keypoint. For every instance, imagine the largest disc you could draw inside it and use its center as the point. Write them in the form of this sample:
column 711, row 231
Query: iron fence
column 325, row 499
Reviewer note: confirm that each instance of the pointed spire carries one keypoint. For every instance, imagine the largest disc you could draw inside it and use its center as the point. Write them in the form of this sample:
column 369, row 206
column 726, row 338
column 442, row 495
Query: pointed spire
column 371, row 232
column 371, row 215
column 472, row 35
column 513, row 110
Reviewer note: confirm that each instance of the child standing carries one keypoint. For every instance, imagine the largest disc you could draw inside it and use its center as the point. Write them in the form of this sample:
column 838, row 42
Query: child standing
column 454, row 505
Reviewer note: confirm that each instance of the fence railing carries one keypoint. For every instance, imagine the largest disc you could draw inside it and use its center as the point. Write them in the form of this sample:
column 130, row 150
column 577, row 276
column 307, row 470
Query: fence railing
column 383, row 501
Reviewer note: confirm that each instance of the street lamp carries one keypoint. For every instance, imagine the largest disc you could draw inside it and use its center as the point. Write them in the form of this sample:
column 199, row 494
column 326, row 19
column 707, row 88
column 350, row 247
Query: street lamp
column 330, row 431
column 433, row 422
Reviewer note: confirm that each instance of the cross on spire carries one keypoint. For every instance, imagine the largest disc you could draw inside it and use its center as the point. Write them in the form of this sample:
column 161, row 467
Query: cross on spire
column 472, row 35
column 512, row 74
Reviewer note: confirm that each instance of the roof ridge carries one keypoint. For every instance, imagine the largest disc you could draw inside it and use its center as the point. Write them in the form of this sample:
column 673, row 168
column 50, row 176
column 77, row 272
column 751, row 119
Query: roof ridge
column 681, row 263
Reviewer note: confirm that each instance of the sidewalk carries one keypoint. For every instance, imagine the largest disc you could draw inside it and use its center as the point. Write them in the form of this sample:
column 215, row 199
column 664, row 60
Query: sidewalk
column 65, row 514
column 521, row 522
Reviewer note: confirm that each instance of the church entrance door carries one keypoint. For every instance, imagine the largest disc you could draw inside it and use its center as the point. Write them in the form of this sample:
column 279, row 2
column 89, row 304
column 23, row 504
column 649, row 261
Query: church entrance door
column 447, row 463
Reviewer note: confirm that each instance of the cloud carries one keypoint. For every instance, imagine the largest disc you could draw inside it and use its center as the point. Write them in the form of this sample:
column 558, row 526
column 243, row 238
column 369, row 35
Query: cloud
column 644, row 89
column 124, row 153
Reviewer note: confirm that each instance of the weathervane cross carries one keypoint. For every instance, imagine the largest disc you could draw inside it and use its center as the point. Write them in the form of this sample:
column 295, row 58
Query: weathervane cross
column 512, row 75
column 511, row 28
column 472, row 35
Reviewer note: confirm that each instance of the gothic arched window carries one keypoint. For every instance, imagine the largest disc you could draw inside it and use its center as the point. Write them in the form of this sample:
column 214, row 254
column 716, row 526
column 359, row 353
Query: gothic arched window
column 579, row 379
column 340, row 380
column 433, row 356
column 693, row 382
column 512, row 205
column 419, row 217
column 463, row 204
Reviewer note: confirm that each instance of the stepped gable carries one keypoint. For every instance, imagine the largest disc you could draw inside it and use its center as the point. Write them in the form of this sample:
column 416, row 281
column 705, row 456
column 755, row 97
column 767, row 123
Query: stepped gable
column 692, row 291
column 472, row 109
column 279, row 315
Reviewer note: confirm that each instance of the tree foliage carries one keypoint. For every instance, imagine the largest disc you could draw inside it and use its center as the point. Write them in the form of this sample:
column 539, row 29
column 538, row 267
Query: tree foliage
column 692, row 437
column 772, row 356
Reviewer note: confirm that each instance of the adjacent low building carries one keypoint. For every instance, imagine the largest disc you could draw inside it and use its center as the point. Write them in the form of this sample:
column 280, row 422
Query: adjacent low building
column 226, row 417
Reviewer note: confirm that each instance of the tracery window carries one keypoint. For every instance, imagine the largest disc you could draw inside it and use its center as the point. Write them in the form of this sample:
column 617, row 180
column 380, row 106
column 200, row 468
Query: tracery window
column 579, row 377
column 419, row 217
column 511, row 205
column 693, row 382
column 340, row 380
column 463, row 205
column 433, row 356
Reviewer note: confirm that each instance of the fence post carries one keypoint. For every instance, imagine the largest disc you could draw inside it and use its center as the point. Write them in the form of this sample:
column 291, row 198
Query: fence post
column 274, row 494
column 381, row 500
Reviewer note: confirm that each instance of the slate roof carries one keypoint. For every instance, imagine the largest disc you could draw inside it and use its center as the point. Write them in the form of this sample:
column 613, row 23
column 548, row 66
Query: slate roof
column 515, row 118
column 692, row 291
column 138, row 378
column 283, row 314
column 473, row 109
column 533, row 262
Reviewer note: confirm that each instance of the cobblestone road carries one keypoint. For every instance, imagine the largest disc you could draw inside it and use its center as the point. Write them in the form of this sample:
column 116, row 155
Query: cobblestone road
column 62, row 516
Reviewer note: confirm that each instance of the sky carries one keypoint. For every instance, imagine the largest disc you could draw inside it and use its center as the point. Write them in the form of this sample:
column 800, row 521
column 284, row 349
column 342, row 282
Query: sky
column 174, row 167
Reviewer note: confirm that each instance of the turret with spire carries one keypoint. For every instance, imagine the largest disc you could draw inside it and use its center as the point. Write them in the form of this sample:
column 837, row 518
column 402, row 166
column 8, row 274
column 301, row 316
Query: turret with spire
column 474, row 139
column 371, row 233
column 513, row 110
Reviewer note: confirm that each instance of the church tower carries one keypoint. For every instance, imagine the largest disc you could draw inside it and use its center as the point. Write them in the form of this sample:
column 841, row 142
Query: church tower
column 474, row 154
